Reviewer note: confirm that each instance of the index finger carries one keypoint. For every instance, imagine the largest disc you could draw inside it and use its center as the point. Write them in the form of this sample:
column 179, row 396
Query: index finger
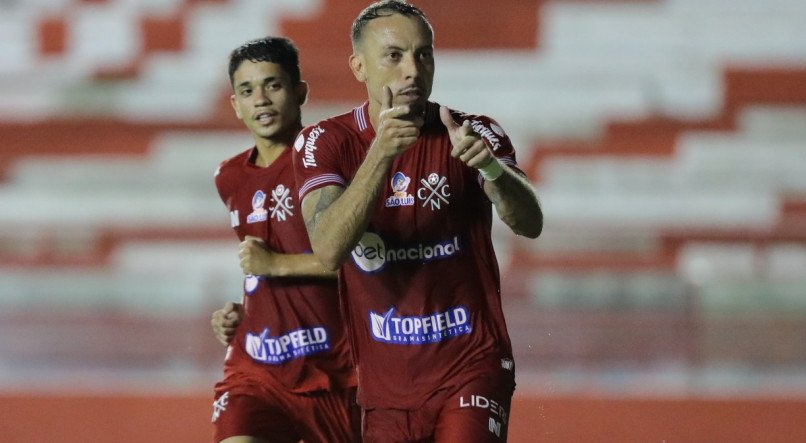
column 386, row 100
column 397, row 111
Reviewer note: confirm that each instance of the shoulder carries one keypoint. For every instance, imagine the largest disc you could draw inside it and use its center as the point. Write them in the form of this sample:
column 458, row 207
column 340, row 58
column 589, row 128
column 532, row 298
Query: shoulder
column 487, row 127
column 340, row 126
column 478, row 121
column 325, row 140
column 235, row 162
column 230, row 168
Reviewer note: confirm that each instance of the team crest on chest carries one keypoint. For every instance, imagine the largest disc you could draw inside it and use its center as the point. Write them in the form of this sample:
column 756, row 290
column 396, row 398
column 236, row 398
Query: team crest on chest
column 400, row 195
column 259, row 213
column 434, row 192
column 282, row 203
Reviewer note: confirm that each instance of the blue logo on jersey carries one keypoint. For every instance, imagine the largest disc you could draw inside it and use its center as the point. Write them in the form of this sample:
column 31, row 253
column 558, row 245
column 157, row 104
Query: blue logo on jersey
column 250, row 283
column 291, row 345
column 259, row 213
column 419, row 330
column 399, row 195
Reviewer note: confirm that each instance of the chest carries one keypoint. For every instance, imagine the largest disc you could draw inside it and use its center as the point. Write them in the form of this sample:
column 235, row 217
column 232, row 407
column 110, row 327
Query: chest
column 265, row 206
column 427, row 193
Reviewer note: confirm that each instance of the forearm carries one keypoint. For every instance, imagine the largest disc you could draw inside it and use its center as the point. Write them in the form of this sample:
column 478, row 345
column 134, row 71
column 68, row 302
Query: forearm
column 298, row 265
column 516, row 203
column 337, row 222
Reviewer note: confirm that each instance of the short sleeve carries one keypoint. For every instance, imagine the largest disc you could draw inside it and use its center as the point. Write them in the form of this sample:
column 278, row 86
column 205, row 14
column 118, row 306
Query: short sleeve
column 316, row 158
column 497, row 140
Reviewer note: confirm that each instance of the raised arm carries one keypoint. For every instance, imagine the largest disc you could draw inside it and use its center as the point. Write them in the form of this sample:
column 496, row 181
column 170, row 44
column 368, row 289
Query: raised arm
column 337, row 217
column 512, row 195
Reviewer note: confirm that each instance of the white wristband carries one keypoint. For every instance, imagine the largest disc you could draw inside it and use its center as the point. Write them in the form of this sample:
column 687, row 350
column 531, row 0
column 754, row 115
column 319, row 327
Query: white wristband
column 492, row 171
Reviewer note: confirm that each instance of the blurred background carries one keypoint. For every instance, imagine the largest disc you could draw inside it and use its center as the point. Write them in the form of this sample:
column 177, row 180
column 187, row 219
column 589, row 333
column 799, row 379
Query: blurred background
column 665, row 300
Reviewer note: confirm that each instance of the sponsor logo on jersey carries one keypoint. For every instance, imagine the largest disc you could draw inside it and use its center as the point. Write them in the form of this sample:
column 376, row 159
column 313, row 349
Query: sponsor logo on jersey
column 291, row 345
column 371, row 253
column 486, row 133
column 399, row 195
column 281, row 198
column 419, row 330
column 508, row 364
column 434, row 192
column 250, row 283
column 496, row 409
column 299, row 142
column 308, row 158
column 497, row 129
column 258, row 214
column 220, row 405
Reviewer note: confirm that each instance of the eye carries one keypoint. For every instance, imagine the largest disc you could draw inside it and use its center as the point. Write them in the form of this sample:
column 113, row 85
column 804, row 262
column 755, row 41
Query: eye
column 394, row 55
column 426, row 55
column 245, row 92
column 275, row 86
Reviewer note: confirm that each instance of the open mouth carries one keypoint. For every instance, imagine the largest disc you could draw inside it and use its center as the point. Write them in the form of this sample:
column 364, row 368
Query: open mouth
column 265, row 118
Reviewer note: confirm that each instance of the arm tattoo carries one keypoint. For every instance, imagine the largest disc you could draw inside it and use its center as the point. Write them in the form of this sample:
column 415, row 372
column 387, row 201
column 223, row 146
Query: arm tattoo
column 324, row 197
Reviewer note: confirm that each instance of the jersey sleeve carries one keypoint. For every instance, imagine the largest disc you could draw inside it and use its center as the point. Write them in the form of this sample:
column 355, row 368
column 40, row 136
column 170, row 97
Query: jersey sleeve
column 316, row 158
column 497, row 140
column 221, row 183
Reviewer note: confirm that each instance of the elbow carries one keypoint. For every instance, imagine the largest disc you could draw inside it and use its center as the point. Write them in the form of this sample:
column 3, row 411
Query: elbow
column 531, row 231
column 332, row 265
column 531, row 228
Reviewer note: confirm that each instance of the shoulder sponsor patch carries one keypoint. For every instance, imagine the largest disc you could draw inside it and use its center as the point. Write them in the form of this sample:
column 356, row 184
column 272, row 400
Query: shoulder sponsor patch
column 309, row 156
column 487, row 134
column 299, row 142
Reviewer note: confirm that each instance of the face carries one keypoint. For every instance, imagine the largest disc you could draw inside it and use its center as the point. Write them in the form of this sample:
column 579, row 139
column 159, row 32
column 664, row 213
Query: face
column 396, row 51
column 266, row 101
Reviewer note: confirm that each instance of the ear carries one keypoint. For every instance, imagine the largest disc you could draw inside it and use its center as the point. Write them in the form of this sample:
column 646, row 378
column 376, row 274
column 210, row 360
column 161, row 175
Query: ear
column 235, row 106
column 302, row 92
column 358, row 68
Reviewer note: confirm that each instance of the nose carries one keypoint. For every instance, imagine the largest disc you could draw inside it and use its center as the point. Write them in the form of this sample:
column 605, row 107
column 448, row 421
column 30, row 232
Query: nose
column 411, row 66
column 261, row 97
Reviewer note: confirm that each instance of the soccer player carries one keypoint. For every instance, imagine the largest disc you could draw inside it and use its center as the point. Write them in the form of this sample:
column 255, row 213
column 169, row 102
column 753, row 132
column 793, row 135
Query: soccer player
column 397, row 195
column 287, row 374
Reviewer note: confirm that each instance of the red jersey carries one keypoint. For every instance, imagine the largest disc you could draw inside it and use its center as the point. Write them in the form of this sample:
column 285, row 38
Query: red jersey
column 291, row 330
column 421, row 289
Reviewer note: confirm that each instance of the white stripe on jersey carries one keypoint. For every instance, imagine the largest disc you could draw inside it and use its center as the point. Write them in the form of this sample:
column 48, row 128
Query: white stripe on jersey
column 312, row 182
column 360, row 120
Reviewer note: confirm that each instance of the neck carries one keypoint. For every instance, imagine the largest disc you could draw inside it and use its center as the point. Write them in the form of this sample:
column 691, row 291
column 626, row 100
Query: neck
column 374, row 110
column 268, row 149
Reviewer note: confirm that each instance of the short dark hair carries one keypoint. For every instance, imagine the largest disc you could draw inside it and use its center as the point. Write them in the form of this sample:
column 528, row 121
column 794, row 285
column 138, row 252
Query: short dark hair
column 385, row 8
column 278, row 50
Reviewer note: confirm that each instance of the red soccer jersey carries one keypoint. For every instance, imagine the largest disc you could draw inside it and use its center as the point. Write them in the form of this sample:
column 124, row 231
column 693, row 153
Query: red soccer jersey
column 421, row 289
column 291, row 330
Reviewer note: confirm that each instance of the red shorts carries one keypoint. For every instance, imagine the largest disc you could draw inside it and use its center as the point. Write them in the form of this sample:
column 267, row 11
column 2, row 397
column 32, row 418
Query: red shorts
column 476, row 411
column 247, row 407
